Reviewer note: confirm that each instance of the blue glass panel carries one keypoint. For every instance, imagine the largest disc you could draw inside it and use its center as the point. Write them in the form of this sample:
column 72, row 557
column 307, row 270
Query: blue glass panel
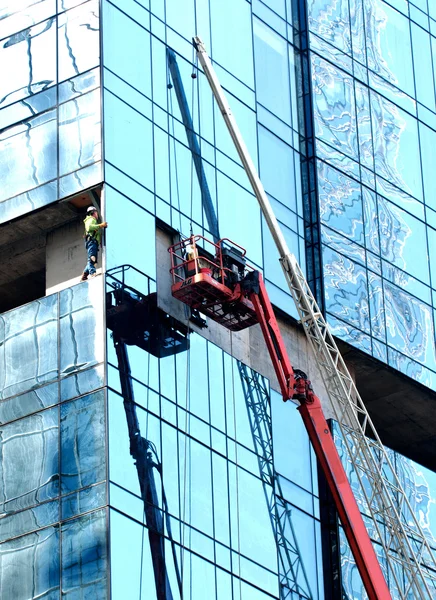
column 239, row 217
column 396, row 145
column 27, row 62
column 131, row 559
column 79, row 132
column 389, row 48
column 83, row 442
column 29, row 520
column 343, row 245
column 340, row 202
column 127, row 218
column 277, row 168
column 128, row 140
column 346, row 290
column 331, row 22
column 84, row 557
column 425, row 89
column 78, row 40
column 81, row 326
column 82, row 383
column 21, row 406
column 15, row 18
column 358, row 33
column 30, row 566
column 372, row 237
column 24, row 109
column 73, row 88
column 428, row 142
column 403, row 240
column 376, row 306
column 232, row 21
column 29, row 461
column 364, row 126
column 122, row 39
column 28, row 346
column 409, row 325
column 406, row 282
column 29, row 201
column 83, row 501
column 80, row 180
column 330, row 53
column 23, row 165
column 272, row 70
column 334, row 107
column 337, row 159
column 412, row 369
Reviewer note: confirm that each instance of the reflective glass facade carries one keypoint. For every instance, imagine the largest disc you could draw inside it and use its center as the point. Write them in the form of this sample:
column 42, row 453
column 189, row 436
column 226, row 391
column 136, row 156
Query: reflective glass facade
column 213, row 492
column 373, row 88
column 50, row 116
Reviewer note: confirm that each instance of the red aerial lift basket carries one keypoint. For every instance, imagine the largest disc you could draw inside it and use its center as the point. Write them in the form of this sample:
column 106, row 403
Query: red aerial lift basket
column 208, row 276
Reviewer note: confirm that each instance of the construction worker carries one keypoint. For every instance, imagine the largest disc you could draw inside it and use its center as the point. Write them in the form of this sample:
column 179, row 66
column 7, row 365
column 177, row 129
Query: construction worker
column 92, row 241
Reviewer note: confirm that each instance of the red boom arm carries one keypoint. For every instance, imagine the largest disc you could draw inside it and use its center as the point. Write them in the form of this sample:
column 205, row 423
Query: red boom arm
column 293, row 384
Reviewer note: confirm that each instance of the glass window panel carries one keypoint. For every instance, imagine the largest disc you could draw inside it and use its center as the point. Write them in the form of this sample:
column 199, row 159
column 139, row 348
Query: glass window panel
column 84, row 556
column 130, row 559
column 286, row 419
column 332, row 24
column 123, row 39
column 79, row 85
column 28, row 107
column 28, row 520
column 272, row 70
column 23, row 163
column 334, row 107
column 82, row 383
column 239, row 217
column 16, row 17
column 28, row 346
column 409, row 324
column 396, row 145
column 403, row 239
column 83, row 501
column 181, row 17
column 128, row 140
column 428, row 141
column 21, row 406
column 83, row 442
column 127, row 217
column 346, row 291
column 27, row 62
column 80, row 180
column 425, row 88
column 81, row 326
column 29, row 566
column 258, row 542
column 29, row 461
column 376, row 303
column 277, row 168
column 340, row 202
column 78, row 40
column 79, row 132
column 232, row 21
column 389, row 45
column 29, row 201
column 220, row 499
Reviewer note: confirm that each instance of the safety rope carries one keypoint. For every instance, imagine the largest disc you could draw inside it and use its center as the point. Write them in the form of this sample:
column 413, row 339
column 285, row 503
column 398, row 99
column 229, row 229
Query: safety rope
column 170, row 87
column 237, row 467
column 186, row 457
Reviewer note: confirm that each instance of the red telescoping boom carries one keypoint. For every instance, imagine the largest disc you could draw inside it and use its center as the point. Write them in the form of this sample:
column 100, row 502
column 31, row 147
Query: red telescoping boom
column 294, row 384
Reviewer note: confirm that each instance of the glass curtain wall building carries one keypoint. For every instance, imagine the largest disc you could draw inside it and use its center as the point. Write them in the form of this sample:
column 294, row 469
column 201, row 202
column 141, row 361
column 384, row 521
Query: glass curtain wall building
column 129, row 473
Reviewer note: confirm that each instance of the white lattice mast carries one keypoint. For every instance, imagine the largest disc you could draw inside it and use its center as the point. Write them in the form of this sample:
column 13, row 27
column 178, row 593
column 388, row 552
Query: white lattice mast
column 411, row 564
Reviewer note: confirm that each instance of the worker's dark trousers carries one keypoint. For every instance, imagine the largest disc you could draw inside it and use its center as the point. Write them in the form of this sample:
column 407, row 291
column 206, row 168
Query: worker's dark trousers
column 92, row 250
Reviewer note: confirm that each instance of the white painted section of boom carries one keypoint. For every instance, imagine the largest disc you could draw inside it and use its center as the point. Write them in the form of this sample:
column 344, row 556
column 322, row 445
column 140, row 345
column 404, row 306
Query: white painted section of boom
column 410, row 562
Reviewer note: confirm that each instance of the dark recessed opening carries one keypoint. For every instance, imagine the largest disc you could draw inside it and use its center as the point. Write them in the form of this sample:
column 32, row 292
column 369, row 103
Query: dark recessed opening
column 23, row 248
